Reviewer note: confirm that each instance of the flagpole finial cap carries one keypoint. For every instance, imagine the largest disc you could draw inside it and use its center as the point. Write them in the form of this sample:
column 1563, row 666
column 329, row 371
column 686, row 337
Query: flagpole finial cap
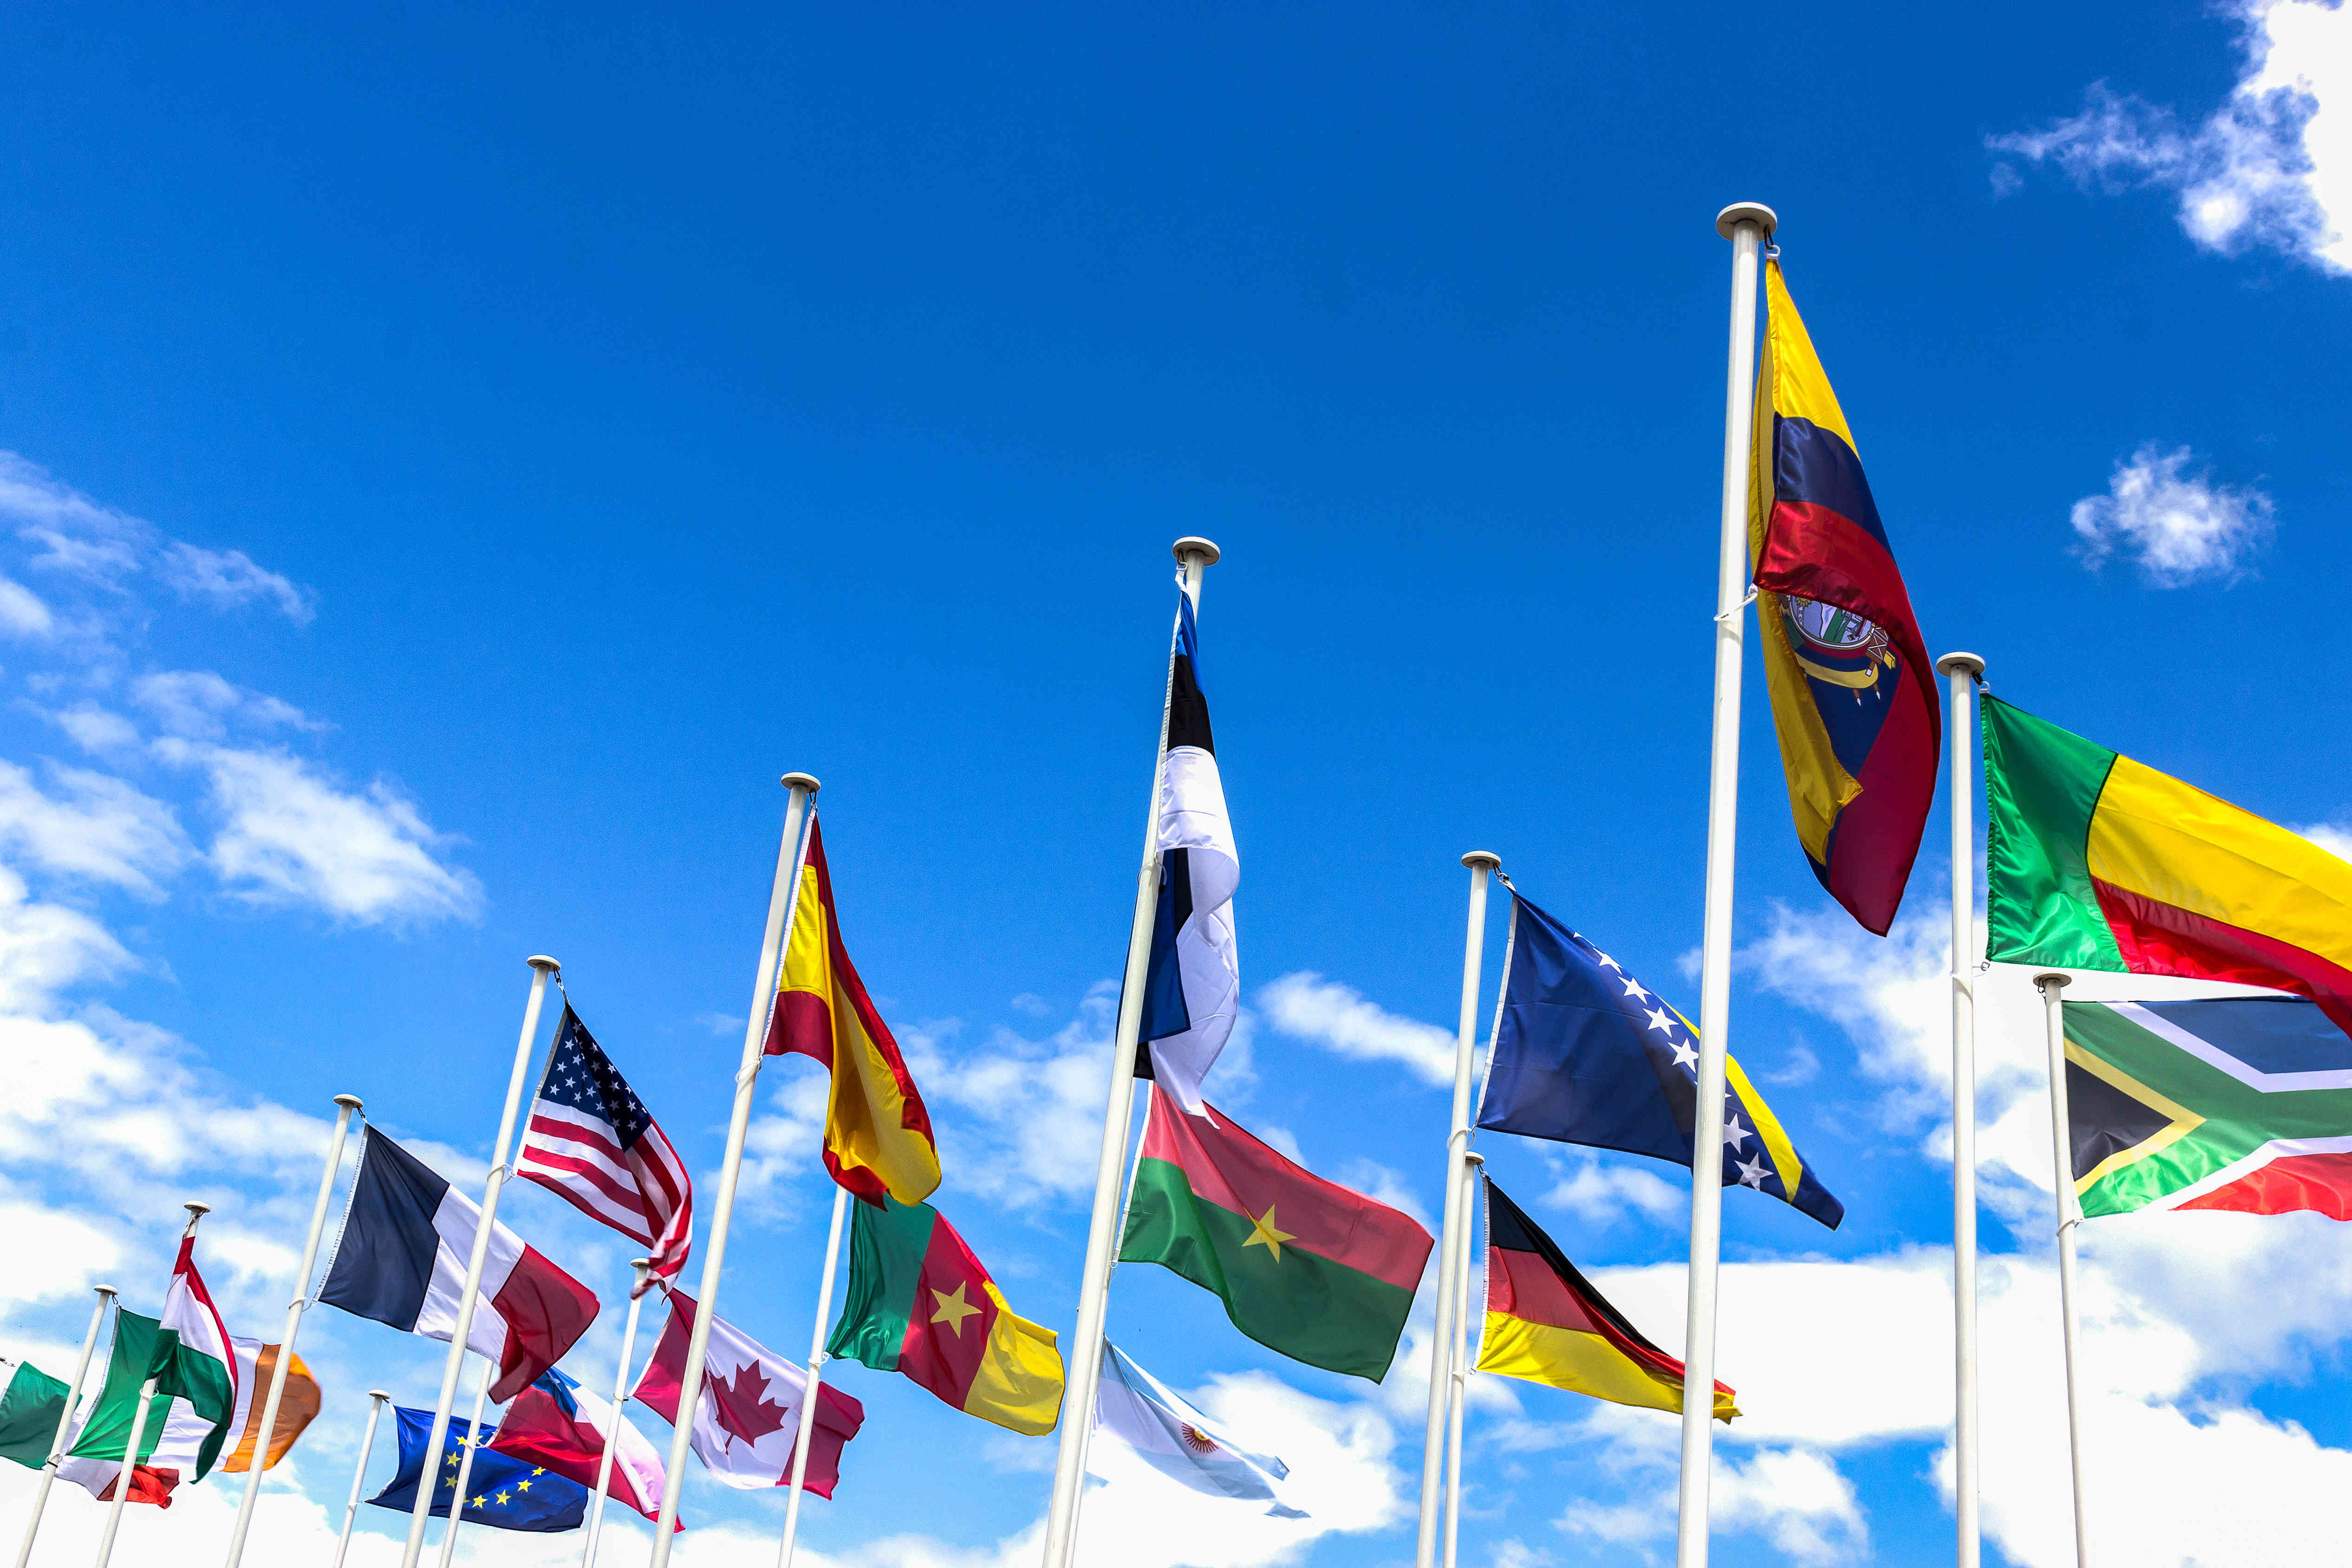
column 106, row 1290
column 2051, row 979
column 802, row 782
column 1973, row 663
column 378, row 1393
column 197, row 1205
column 644, row 1265
column 1482, row 861
column 1479, row 1160
column 543, row 964
column 1727, row 221
column 350, row 1102
column 1193, row 544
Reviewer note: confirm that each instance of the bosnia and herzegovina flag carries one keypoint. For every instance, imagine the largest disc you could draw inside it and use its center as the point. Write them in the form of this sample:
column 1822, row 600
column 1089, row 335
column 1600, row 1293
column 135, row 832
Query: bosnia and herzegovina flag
column 920, row 1303
column 1585, row 1054
column 877, row 1133
column 1192, row 990
column 1546, row 1323
column 2242, row 1103
column 1854, row 694
column 2096, row 861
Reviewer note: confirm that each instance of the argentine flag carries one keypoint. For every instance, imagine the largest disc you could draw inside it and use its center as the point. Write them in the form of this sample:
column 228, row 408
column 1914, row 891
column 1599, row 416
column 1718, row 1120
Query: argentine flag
column 1169, row 1436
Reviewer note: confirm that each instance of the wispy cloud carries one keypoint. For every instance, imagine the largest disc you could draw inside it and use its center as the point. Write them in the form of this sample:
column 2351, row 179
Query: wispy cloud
column 1309, row 1008
column 2270, row 167
column 2179, row 528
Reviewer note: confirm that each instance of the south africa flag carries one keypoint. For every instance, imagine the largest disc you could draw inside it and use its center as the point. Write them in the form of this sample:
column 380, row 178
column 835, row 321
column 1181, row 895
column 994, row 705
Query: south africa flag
column 2239, row 1102
column 1305, row 1266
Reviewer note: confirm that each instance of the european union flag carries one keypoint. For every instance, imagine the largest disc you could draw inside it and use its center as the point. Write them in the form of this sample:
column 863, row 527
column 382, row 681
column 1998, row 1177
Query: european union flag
column 1585, row 1054
column 501, row 1492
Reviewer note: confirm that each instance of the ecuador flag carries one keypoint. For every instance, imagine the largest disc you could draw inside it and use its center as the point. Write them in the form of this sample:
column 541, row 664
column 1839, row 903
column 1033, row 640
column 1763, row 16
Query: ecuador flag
column 877, row 1135
column 920, row 1303
column 1854, row 694
column 2096, row 861
column 1546, row 1323
column 1304, row 1265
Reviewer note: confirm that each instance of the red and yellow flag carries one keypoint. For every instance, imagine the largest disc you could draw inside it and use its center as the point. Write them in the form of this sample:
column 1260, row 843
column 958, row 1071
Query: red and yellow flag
column 877, row 1136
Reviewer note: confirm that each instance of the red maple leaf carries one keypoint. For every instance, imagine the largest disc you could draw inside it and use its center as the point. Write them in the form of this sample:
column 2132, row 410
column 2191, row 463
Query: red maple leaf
column 741, row 1406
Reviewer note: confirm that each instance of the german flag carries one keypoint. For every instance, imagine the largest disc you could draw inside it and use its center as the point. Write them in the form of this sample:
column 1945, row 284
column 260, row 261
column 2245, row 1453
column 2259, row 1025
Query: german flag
column 877, row 1134
column 1546, row 1323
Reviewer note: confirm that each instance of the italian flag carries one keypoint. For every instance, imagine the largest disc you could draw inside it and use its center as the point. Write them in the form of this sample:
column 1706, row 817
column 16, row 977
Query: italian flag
column 1304, row 1265
column 2096, row 861
column 920, row 1303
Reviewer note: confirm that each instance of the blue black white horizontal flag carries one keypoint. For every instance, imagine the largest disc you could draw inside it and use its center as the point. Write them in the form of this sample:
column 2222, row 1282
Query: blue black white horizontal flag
column 1585, row 1054
column 1191, row 992
column 502, row 1492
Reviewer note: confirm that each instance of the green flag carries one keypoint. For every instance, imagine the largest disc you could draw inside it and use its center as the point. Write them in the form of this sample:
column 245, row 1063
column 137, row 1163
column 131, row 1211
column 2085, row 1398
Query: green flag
column 144, row 1348
column 1305, row 1266
column 28, row 1416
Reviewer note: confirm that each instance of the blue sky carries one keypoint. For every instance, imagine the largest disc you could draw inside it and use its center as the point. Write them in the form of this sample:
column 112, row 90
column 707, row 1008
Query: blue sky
column 458, row 457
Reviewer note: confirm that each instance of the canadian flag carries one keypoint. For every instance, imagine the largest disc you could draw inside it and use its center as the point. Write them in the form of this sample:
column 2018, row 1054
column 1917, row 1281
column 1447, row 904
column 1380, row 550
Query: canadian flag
column 750, row 1414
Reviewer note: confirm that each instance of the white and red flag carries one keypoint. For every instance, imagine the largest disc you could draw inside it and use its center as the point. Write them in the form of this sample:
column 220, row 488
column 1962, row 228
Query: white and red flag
column 561, row 1426
column 592, row 1141
column 749, row 1416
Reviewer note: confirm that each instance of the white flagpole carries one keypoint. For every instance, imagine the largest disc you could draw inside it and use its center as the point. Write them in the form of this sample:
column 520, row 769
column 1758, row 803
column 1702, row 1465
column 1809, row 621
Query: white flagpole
column 541, row 967
column 65, row 1423
column 816, row 1358
column 196, row 1212
column 790, row 853
column 640, row 1267
column 1746, row 225
column 1482, row 865
column 1458, row 1376
column 464, row 1465
column 2070, row 1214
column 1087, row 1438
column 345, row 1104
column 377, row 1400
column 1962, row 670
column 122, row 1477
column 1195, row 555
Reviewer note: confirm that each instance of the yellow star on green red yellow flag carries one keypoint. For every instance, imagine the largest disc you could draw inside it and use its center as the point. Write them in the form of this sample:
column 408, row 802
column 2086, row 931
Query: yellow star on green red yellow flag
column 954, row 1309
column 1264, row 1233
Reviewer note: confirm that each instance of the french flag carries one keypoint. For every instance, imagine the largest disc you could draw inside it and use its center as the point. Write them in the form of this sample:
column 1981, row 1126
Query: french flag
column 402, row 1257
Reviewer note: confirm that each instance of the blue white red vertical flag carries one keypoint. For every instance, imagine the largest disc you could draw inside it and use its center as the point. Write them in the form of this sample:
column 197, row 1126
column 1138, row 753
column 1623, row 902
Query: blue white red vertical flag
column 401, row 1260
column 592, row 1141
column 1191, row 992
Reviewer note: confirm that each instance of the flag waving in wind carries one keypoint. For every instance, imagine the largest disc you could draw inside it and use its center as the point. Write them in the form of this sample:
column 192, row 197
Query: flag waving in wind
column 591, row 1140
column 1193, row 986
column 1584, row 1054
column 1854, row 694
column 749, row 1415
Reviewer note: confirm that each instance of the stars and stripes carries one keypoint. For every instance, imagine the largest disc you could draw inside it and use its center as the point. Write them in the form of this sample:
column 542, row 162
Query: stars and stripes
column 591, row 1140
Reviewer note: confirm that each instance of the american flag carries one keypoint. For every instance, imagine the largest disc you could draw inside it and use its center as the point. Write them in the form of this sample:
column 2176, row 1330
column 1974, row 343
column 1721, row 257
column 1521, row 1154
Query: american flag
column 591, row 1140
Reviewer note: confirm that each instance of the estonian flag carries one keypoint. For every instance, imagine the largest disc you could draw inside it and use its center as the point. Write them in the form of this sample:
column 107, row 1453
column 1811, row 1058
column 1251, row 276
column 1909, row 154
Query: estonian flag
column 1583, row 1053
column 1194, row 988
column 402, row 1257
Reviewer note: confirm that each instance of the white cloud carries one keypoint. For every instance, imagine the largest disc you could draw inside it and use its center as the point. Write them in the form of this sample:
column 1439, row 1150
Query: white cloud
column 229, row 580
column 97, row 829
column 2332, row 837
column 22, row 612
column 1307, row 1006
column 2270, row 167
column 96, row 730
column 1601, row 1191
column 2180, row 527
column 199, row 705
column 44, row 948
column 289, row 836
column 1798, row 1499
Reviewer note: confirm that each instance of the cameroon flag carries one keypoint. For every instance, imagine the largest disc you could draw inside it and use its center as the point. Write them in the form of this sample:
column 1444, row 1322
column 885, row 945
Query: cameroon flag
column 2096, row 861
column 920, row 1303
column 1546, row 1323
column 877, row 1135
column 1304, row 1265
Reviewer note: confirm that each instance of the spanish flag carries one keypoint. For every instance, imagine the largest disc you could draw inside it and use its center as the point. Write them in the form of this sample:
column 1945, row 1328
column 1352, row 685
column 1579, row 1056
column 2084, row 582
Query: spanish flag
column 1854, row 694
column 2096, row 861
column 877, row 1136
column 1546, row 1323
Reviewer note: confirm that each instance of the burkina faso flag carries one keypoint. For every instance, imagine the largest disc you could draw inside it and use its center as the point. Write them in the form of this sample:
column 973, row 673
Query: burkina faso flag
column 1304, row 1265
